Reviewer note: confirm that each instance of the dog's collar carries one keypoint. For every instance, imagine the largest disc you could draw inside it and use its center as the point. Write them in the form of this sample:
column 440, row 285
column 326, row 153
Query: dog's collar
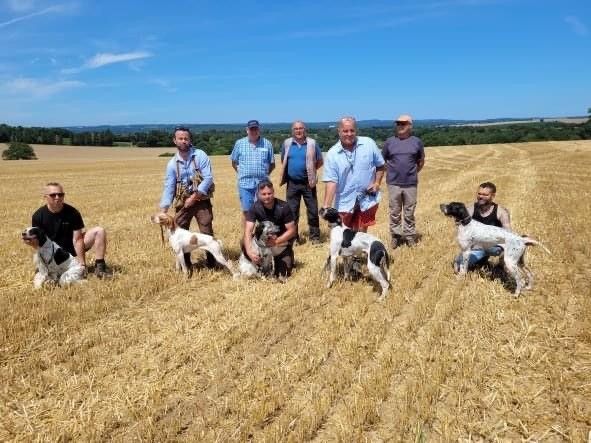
column 466, row 220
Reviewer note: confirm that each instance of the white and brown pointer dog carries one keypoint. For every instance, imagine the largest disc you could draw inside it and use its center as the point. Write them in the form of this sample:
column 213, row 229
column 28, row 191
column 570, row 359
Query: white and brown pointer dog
column 54, row 264
column 182, row 241
column 473, row 234
column 346, row 243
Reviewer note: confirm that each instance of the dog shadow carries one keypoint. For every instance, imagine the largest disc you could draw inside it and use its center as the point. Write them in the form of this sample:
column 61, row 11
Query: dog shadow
column 495, row 271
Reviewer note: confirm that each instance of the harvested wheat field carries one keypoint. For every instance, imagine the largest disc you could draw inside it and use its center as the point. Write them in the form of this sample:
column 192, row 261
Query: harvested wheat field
column 152, row 356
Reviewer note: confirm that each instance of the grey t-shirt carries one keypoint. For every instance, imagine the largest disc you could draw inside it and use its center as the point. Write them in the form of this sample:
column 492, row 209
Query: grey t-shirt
column 401, row 158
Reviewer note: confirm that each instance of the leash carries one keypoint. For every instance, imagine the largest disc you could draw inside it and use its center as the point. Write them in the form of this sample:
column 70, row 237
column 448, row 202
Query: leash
column 162, row 235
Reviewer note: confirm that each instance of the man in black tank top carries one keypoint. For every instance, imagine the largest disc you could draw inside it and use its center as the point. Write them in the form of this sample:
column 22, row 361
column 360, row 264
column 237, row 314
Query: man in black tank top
column 487, row 212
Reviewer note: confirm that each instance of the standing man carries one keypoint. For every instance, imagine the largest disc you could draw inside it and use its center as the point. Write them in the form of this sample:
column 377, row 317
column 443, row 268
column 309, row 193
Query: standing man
column 300, row 159
column 189, row 182
column 486, row 211
column 353, row 172
column 253, row 160
column 405, row 156
column 269, row 208
column 63, row 224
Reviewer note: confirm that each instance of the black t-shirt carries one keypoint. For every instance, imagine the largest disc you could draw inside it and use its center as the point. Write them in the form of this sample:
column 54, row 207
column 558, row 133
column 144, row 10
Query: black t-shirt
column 59, row 226
column 280, row 214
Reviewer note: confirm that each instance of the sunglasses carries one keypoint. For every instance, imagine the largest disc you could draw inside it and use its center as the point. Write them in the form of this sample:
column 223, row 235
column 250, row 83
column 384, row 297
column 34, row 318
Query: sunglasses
column 56, row 194
column 401, row 123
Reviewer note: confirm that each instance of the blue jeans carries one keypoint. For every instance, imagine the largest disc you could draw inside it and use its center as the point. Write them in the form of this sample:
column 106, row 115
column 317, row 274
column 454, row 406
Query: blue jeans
column 478, row 256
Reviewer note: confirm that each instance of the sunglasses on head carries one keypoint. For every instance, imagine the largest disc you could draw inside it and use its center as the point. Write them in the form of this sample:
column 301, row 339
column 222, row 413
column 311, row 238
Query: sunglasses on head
column 56, row 194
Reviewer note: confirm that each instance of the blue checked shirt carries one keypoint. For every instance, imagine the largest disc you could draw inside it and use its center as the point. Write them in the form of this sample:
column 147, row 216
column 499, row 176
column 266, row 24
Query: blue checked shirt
column 353, row 172
column 254, row 161
column 186, row 171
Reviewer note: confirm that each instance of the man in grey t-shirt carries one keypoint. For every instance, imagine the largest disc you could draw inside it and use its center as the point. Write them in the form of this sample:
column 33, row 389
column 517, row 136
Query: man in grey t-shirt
column 405, row 157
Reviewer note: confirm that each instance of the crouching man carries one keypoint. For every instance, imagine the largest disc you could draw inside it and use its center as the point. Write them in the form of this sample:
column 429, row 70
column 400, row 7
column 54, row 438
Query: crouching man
column 269, row 208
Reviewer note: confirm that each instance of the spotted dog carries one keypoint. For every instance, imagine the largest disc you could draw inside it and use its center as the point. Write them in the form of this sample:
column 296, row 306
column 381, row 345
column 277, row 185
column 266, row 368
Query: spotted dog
column 182, row 241
column 346, row 243
column 263, row 231
column 473, row 235
column 54, row 264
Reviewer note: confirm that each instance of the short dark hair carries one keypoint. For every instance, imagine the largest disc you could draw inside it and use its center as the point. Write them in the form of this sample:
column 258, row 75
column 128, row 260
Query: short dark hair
column 265, row 184
column 489, row 185
column 182, row 128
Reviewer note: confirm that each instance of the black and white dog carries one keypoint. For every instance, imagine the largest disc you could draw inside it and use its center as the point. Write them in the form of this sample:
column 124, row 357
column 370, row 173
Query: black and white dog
column 54, row 264
column 472, row 235
column 263, row 231
column 346, row 243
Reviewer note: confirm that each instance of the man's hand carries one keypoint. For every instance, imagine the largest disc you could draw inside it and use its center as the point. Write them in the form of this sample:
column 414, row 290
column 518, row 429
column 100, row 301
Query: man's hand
column 256, row 259
column 373, row 188
column 271, row 241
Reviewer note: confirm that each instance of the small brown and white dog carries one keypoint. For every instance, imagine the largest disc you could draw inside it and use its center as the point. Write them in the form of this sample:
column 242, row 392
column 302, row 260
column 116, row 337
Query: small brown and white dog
column 54, row 264
column 182, row 241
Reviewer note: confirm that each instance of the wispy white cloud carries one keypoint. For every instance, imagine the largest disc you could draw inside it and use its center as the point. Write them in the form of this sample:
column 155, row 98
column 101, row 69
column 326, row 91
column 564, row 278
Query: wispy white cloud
column 165, row 84
column 577, row 26
column 20, row 5
column 37, row 88
column 49, row 10
column 103, row 59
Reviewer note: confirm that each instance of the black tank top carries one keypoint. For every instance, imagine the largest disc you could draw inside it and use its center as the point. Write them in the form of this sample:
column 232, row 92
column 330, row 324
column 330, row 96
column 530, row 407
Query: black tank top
column 490, row 219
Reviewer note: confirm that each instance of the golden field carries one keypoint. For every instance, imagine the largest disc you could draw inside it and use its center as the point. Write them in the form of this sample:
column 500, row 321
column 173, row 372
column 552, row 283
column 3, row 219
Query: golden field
column 152, row 356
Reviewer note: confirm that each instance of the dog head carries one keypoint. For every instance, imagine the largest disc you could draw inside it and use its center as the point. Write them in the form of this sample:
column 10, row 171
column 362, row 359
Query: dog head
column 264, row 230
column 163, row 219
column 456, row 210
column 34, row 237
column 331, row 215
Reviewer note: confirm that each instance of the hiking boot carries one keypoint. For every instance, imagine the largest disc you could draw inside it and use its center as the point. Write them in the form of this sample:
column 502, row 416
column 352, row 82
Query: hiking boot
column 101, row 271
column 411, row 242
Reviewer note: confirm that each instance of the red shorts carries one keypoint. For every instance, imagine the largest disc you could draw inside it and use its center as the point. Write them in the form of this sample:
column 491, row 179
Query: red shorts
column 358, row 220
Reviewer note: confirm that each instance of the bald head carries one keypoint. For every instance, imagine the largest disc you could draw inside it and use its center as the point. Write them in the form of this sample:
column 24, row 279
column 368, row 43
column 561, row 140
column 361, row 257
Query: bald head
column 348, row 132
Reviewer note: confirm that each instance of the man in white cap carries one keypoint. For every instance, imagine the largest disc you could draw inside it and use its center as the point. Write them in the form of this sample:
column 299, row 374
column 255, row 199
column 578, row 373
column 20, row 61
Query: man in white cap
column 405, row 157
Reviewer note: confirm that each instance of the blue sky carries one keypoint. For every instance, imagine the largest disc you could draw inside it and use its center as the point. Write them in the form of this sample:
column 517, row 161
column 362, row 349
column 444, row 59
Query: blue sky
column 84, row 62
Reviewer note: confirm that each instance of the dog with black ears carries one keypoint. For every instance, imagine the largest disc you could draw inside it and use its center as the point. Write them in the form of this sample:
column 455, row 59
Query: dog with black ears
column 472, row 235
column 347, row 243
column 262, row 233
column 54, row 264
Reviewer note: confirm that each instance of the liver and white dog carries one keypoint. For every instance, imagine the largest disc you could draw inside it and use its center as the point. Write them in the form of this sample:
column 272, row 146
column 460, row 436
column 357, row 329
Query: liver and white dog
column 54, row 264
column 262, row 232
column 182, row 240
column 473, row 234
column 346, row 243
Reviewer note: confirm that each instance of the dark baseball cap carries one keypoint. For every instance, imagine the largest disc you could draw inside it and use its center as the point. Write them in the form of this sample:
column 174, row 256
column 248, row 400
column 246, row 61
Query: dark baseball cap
column 253, row 124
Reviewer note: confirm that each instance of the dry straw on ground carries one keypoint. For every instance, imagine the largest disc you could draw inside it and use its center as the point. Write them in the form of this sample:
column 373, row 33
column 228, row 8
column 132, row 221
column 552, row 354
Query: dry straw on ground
column 151, row 356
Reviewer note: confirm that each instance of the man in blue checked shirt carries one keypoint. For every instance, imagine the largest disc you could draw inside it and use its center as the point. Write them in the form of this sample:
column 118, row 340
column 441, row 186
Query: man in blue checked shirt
column 353, row 171
column 253, row 160
column 194, row 198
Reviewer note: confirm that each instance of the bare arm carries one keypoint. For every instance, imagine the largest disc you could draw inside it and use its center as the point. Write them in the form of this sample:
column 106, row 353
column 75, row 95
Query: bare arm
column 287, row 235
column 329, row 192
column 78, row 239
column 235, row 165
column 504, row 218
column 271, row 167
column 420, row 164
column 375, row 186
column 248, row 228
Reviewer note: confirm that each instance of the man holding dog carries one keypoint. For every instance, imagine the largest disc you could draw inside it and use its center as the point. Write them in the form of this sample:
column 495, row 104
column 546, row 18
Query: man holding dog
column 269, row 208
column 300, row 159
column 405, row 156
column 189, row 182
column 63, row 224
column 486, row 211
column 253, row 160
column 353, row 171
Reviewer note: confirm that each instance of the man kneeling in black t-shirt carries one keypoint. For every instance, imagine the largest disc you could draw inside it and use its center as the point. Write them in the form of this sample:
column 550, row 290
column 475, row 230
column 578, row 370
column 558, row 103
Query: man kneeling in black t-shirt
column 63, row 224
column 269, row 208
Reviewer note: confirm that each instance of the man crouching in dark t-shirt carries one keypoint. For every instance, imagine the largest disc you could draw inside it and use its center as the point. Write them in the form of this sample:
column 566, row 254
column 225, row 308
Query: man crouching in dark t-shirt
column 269, row 208
column 63, row 224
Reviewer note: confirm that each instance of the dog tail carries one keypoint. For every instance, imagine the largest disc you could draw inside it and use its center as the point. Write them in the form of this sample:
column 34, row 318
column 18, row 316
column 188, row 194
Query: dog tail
column 385, row 265
column 531, row 242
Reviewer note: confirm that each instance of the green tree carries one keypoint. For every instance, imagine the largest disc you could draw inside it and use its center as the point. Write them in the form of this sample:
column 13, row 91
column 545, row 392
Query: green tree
column 19, row 151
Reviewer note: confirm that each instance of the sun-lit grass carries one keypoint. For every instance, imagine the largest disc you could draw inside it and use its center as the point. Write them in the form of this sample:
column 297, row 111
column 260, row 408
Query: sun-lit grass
column 154, row 356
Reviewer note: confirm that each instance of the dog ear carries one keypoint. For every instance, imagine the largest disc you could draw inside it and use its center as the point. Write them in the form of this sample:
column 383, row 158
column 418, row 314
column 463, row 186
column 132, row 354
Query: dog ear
column 258, row 230
column 38, row 232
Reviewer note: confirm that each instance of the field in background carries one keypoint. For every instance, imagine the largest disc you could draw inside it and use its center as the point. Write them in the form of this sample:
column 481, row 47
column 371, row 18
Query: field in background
column 152, row 356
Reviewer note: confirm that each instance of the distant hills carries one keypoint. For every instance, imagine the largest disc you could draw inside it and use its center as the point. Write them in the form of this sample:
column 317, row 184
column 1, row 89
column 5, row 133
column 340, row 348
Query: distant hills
column 199, row 127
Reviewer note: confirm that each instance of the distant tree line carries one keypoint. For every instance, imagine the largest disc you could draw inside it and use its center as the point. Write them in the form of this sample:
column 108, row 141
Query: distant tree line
column 220, row 142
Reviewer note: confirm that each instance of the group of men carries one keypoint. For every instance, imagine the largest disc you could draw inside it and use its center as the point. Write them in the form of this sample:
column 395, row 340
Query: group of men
column 354, row 169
